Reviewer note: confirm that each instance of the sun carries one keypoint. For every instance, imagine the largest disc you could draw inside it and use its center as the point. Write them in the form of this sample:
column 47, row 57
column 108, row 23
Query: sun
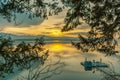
column 56, row 33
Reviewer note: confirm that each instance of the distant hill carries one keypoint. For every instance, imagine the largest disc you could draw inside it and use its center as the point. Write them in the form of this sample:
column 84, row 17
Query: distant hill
column 31, row 38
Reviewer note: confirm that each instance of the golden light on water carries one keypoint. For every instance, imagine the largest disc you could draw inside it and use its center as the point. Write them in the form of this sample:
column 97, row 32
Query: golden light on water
column 56, row 47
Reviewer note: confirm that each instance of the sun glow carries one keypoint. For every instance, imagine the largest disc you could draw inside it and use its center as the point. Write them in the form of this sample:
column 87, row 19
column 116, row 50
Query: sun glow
column 56, row 33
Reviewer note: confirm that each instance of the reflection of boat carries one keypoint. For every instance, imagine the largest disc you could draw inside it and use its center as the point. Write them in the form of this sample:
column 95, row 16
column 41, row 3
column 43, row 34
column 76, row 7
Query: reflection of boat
column 91, row 64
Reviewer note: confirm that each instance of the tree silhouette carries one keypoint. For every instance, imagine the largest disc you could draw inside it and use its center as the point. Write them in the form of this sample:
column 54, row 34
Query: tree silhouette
column 21, row 55
column 32, row 8
column 103, row 16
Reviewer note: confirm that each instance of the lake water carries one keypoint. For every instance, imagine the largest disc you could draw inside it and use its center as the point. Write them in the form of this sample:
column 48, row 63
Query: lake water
column 71, row 57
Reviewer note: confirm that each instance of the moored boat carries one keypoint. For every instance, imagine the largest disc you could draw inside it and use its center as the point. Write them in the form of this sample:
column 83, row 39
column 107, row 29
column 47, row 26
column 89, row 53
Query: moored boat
column 94, row 63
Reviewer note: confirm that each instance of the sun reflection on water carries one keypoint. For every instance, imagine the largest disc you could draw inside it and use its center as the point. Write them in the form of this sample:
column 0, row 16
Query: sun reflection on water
column 56, row 47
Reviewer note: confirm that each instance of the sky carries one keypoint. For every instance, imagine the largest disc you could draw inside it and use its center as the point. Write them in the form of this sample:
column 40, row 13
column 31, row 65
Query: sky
column 37, row 26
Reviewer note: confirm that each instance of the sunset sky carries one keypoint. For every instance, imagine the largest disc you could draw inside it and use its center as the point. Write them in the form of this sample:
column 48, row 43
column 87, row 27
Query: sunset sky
column 37, row 26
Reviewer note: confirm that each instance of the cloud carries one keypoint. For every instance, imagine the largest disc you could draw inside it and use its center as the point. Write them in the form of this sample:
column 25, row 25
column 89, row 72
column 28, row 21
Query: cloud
column 59, row 24
column 39, row 26
column 45, row 33
column 53, row 28
column 76, row 33
column 22, row 20
column 83, row 26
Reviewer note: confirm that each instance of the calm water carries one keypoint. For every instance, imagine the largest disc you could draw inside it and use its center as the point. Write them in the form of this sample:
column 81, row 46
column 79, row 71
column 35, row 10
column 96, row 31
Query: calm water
column 72, row 57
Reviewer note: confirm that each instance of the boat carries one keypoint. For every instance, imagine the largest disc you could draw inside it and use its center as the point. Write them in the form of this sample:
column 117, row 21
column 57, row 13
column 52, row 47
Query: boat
column 90, row 64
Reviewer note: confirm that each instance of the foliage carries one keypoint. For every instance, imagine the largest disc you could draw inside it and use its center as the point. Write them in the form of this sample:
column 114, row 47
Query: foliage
column 20, row 56
column 103, row 16
column 32, row 8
